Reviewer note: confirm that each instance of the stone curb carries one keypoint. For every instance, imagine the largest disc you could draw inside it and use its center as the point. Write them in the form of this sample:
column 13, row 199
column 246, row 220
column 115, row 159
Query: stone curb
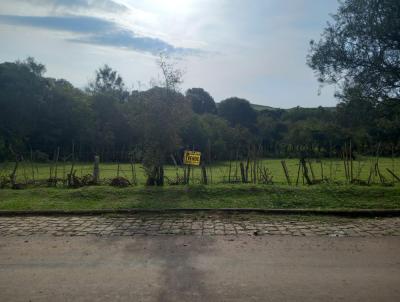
column 344, row 213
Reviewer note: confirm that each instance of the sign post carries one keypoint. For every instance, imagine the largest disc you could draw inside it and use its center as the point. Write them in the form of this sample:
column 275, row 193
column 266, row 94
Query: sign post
column 190, row 158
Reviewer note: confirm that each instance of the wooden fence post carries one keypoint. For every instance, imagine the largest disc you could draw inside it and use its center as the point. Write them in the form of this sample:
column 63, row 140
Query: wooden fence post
column 305, row 171
column 96, row 169
column 242, row 173
column 394, row 175
column 285, row 170
column 204, row 174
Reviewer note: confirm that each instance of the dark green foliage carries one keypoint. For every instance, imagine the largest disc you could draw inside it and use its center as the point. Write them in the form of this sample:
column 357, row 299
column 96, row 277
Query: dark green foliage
column 238, row 112
column 201, row 101
column 109, row 127
column 33, row 66
column 161, row 114
column 360, row 53
column 361, row 48
column 109, row 82
column 36, row 112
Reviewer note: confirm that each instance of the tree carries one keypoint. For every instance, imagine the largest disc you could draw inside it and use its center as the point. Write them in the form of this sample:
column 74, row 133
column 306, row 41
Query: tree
column 220, row 137
column 361, row 48
column 193, row 133
column 32, row 65
column 21, row 96
column 271, row 130
column 388, row 123
column 171, row 74
column 355, row 110
column 201, row 101
column 37, row 112
column 109, row 123
column 238, row 112
column 62, row 116
column 108, row 81
column 108, row 95
column 161, row 116
column 163, row 111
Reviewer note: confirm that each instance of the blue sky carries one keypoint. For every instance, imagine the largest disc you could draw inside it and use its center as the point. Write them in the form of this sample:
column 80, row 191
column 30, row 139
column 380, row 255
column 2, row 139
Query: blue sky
column 254, row 49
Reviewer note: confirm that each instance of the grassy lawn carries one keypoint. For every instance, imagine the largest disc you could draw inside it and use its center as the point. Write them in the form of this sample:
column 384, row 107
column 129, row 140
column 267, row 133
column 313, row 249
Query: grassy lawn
column 196, row 196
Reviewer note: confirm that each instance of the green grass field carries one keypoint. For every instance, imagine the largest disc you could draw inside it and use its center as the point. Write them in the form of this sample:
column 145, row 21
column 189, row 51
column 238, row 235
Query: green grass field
column 197, row 196
column 336, row 195
column 217, row 173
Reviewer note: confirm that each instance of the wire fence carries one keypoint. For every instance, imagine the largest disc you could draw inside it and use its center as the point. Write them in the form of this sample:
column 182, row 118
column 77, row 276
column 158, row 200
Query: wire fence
column 364, row 170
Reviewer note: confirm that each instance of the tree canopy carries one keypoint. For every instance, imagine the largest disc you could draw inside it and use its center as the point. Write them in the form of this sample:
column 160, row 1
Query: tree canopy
column 361, row 48
column 108, row 81
column 238, row 112
column 201, row 101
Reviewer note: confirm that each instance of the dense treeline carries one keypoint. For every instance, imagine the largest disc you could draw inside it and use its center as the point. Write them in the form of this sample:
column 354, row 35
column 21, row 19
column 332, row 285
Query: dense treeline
column 40, row 114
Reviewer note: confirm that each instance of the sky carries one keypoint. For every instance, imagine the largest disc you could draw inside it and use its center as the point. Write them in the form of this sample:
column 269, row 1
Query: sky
column 252, row 49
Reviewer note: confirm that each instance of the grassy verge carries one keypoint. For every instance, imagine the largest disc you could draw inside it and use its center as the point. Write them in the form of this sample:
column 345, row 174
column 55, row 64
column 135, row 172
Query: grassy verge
column 216, row 196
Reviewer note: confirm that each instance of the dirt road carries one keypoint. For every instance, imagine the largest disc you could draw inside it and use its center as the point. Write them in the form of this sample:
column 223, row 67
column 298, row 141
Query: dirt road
column 199, row 268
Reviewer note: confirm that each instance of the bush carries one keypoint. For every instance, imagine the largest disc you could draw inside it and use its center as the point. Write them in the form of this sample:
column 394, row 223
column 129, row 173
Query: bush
column 120, row 182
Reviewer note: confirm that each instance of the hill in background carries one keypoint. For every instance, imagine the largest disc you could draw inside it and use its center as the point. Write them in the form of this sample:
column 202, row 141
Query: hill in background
column 264, row 107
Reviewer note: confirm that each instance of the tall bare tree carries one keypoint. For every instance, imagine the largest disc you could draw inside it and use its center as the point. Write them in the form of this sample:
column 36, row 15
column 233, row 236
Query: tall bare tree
column 163, row 113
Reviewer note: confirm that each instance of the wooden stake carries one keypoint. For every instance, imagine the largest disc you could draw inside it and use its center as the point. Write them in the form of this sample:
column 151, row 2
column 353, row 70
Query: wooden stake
column 394, row 175
column 204, row 174
column 298, row 174
column 351, row 163
column 70, row 175
column 285, row 170
column 305, row 172
column 96, row 169
column 56, row 163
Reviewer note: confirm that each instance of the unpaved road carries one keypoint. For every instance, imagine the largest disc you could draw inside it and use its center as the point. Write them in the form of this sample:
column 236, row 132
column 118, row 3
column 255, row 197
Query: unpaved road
column 199, row 268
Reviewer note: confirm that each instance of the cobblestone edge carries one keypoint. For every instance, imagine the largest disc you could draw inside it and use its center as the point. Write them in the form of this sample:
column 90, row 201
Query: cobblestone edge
column 204, row 224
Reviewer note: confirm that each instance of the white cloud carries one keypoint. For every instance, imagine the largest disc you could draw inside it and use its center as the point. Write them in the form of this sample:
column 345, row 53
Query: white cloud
column 256, row 49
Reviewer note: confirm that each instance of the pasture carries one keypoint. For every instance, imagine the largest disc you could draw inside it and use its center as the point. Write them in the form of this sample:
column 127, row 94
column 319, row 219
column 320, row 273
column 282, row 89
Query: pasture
column 332, row 170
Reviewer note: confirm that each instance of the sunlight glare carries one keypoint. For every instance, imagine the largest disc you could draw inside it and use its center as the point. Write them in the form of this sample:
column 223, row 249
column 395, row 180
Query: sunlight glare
column 173, row 6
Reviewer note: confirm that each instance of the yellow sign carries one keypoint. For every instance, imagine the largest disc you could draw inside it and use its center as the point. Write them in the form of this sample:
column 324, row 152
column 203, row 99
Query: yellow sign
column 192, row 158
